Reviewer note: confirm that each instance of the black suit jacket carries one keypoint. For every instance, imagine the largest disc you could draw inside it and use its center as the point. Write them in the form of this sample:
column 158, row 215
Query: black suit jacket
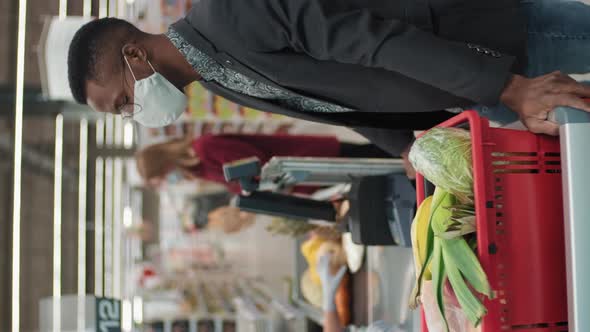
column 398, row 62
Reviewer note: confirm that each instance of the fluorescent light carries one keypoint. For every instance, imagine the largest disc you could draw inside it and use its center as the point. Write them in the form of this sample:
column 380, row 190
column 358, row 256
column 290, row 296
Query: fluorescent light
column 100, row 132
column 57, row 192
column 87, row 11
column 116, row 225
column 82, row 178
column 122, row 9
column 126, row 316
column 137, row 310
column 118, row 131
column 112, row 9
column 127, row 217
column 128, row 135
column 98, row 227
column 18, row 153
column 108, row 227
column 63, row 9
column 130, row 2
column 102, row 8
column 109, row 130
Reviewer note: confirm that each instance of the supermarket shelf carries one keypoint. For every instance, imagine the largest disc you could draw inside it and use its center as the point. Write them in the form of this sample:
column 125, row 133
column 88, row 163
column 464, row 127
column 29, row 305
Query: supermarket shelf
column 311, row 312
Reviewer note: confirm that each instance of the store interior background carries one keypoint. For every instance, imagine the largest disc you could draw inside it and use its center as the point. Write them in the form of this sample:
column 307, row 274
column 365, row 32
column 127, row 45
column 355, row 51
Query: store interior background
column 79, row 221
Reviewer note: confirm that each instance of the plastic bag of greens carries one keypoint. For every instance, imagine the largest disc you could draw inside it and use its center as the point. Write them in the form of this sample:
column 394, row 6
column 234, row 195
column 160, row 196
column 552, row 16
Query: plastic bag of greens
column 456, row 319
column 443, row 157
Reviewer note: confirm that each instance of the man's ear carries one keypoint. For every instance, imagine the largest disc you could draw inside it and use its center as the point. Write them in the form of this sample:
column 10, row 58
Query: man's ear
column 134, row 52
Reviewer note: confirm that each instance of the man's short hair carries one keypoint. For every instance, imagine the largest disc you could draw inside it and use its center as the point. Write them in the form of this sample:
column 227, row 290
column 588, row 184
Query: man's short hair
column 90, row 43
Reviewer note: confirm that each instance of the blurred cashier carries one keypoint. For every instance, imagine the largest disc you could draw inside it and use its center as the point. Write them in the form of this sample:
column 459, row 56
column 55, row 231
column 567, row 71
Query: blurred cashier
column 204, row 157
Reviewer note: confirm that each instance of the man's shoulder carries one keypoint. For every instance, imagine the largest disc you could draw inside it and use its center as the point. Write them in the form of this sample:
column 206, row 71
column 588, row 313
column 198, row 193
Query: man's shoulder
column 217, row 17
column 215, row 11
column 233, row 24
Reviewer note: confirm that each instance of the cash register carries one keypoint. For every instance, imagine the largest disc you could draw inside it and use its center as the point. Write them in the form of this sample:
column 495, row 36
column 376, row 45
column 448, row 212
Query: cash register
column 382, row 199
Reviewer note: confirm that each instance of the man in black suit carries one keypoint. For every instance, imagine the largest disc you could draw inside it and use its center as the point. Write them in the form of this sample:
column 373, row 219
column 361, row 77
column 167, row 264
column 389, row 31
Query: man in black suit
column 381, row 67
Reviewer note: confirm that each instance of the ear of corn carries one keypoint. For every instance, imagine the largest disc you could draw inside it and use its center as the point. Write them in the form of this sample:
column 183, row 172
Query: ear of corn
column 448, row 256
column 419, row 232
column 435, row 212
column 460, row 255
column 427, row 243
column 471, row 305
column 439, row 277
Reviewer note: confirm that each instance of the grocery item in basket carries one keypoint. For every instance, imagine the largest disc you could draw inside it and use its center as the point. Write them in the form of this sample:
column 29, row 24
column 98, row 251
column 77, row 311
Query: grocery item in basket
column 451, row 259
column 461, row 223
column 443, row 156
column 419, row 233
column 454, row 314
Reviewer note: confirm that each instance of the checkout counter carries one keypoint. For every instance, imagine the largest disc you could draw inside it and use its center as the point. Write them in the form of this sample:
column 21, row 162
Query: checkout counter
column 382, row 204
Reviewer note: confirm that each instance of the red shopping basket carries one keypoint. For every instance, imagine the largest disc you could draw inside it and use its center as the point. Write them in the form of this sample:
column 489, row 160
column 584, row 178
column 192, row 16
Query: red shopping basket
column 520, row 237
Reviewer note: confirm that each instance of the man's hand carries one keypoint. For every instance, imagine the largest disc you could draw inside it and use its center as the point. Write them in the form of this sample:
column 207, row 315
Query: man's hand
column 533, row 99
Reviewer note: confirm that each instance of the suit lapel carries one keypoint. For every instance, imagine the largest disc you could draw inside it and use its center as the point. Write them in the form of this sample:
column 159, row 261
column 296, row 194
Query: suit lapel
column 191, row 35
column 267, row 106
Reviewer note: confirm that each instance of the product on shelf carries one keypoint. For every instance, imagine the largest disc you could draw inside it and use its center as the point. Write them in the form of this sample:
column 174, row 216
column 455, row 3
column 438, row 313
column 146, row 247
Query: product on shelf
column 343, row 301
column 336, row 252
column 309, row 250
column 311, row 287
column 289, row 227
column 312, row 292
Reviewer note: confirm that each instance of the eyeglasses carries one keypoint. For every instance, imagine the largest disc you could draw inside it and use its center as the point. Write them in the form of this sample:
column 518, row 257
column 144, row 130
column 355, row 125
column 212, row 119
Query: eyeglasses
column 128, row 110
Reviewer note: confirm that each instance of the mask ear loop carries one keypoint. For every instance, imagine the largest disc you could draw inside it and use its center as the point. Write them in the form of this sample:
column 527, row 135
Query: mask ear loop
column 135, row 79
column 131, row 70
column 149, row 63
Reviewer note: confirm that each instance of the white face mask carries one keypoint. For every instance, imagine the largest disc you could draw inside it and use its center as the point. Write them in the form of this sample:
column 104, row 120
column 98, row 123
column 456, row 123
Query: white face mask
column 158, row 102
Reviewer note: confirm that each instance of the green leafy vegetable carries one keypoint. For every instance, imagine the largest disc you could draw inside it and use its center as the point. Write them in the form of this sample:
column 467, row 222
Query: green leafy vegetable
column 443, row 156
